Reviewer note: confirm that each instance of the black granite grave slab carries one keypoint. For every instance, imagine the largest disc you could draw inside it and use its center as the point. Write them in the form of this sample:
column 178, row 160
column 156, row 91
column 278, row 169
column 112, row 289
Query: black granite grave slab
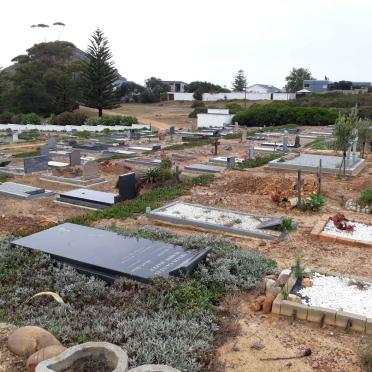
column 109, row 255
column 91, row 147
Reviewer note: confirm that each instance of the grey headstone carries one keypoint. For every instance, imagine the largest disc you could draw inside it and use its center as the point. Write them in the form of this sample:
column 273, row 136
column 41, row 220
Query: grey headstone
column 45, row 151
column 75, row 158
column 52, row 143
column 15, row 137
column 35, row 164
column 90, row 170
column 127, row 187
column 134, row 135
column 172, row 130
column 109, row 255
column 297, row 141
column 156, row 147
column 231, row 161
column 252, row 154
column 285, row 143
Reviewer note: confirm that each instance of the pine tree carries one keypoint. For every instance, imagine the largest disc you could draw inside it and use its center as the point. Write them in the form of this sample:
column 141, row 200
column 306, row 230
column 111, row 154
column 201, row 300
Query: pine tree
column 99, row 75
column 240, row 82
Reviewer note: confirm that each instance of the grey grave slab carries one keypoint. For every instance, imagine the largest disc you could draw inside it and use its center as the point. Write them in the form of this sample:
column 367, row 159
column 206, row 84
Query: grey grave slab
column 270, row 223
column 118, row 152
column 310, row 163
column 144, row 161
column 223, row 160
column 139, row 148
column 110, row 255
column 20, row 191
column 57, row 164
column 97, row 147
column 204, row 168
column 88, row 198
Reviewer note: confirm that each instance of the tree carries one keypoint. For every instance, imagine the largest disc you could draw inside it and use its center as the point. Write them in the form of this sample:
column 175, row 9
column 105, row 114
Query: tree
column 296, row 77
column 364, row 134
column 240, row 82
column 205, row 87
column 345, row 132
column 155, row 90
column 99, row 75
column 341, row 85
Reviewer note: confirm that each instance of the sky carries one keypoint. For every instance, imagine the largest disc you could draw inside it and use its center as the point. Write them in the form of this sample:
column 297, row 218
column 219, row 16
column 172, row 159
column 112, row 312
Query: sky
column 207, row 40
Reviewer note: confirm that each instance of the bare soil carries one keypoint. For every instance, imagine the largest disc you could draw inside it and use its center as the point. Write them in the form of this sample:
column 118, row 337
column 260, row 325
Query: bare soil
column 9, row 362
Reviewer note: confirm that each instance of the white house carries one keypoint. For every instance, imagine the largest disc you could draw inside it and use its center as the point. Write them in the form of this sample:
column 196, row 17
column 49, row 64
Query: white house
column 215, row 118
column 262, row 88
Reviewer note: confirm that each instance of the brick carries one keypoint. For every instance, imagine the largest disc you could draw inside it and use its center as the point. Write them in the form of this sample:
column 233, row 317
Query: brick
column 315, row 314
column 369, row 326
column 288, row 307
column 277, row 304
column 325, row 237
column 358, row 322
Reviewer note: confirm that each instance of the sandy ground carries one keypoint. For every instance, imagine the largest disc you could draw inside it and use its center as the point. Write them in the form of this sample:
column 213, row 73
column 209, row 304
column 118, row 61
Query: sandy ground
column 249, row 191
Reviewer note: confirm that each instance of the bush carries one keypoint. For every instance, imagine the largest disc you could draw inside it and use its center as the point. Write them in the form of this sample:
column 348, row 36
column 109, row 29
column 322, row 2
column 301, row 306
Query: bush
column 313, row 203
column 26, row 119
column 198, row 110
column 258, row 162
column 68, row 118
column 113, row 120
column 278, row 114
column 234, row 107
column 196, row 104
column 366, row 198
column 6, row 117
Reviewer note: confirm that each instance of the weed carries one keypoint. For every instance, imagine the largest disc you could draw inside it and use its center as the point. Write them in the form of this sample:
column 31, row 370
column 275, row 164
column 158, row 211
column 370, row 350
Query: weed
column 258, row 162
column 285, row 292
column 287, row 224
column 27, row 154
column 313, row 203
column 298, row 269
column 366, row 198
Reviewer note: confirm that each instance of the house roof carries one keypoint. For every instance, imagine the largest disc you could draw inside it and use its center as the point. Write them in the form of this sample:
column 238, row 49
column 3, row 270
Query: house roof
column 269, row 88
column 173, row 82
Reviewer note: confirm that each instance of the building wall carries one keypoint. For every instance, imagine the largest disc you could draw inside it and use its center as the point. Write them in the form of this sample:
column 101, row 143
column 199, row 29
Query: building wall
column 235, row 95
column 257, row 89
column 316, row 86
column 213, row 120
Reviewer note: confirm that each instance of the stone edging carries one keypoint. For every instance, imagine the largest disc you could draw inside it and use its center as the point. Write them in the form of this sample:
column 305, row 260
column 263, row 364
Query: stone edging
column 318, row 233
column 322, row 315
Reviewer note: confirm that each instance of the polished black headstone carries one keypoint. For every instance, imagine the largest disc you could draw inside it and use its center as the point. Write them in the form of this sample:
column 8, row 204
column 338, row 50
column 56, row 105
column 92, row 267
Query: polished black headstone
column 127, row 187
column 109, row 255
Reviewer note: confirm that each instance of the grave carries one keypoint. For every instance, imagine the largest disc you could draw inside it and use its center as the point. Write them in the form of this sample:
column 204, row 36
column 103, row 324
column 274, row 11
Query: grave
column 20, row 191
column 268, row 149
column 89, row 176
column 101, row 200
column 144, row 161
column 52, row 143
column 228, row 221
column 204, row 168
column 140, row 149
column 97, row 147
column 35, row 164
column 223, row 160
column 310, row 163
column 118, row 152
column 109, row 255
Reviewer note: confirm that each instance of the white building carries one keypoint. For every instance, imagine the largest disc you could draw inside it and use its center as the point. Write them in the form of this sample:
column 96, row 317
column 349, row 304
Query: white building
column 215, row 118
column 262, row 88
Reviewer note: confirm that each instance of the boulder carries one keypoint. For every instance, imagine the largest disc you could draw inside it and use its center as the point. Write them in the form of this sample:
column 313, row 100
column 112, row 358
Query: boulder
column 269, row 283
column 307, row 282
column 43, row 354
column 154, row 368
column 275, row 290
column 294, row 298
column 266, row 306
column 27, row 340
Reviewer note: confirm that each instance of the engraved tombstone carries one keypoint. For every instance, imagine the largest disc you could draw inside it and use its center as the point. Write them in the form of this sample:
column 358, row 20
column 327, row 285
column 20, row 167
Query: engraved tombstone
column 127, row 187
column 90, row 170
column 75, row 158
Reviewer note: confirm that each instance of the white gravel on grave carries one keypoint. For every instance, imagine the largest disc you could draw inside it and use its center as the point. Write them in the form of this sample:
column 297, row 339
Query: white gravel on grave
column 339, row 293
column 361, row 231
column 215, row 217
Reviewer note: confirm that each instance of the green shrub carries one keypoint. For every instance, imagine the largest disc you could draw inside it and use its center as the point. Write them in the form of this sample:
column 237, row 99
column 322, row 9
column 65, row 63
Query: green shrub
column 30, row 118
column 258, row 162
column 198, row 110
column 366, row 197
column 113, row 120
column 83, row 134
column 6, row 117
column 196, row 104
column 313, row 203
column 288, row 224
column 278, row 114
column 234, row 107
column 68, row 118
column 298, row 270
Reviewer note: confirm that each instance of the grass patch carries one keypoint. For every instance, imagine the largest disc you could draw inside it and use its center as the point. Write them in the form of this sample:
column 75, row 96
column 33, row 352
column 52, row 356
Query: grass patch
column 366, row 198
column 189, row 145
column 153, row 199
column 320, row 144
column 27, row 154
column 258, row 162
column 169, row 322
column 3, row 178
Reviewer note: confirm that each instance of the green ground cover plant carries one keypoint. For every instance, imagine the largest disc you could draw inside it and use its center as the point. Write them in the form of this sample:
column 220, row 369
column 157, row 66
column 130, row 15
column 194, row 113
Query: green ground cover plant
column 171, row 321
column 258, row 162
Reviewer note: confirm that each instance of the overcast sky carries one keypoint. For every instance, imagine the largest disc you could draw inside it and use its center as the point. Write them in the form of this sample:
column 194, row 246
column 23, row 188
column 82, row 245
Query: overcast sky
column 205, row 39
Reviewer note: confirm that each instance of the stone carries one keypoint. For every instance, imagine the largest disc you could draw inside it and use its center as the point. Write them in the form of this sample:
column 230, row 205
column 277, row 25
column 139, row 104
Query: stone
column 75, row 158
column 231, row 160
column 307, row 282
column 154, row 368
column 27, row 340
column 294, row 298
column 52, row 143
column 275, row 290
column 260, row 299
column 127, row 187
column 255, row 306
column 283, row 277
column 90, row 170
column 266, row 306
column 43, row 354
column 269, row 283
column 115, row 356
column 35, row 164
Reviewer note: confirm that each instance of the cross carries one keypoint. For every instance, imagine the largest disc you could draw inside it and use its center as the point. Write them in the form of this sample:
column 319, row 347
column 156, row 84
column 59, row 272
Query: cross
column 216, row 143
column 299, row 185
column 177, row 173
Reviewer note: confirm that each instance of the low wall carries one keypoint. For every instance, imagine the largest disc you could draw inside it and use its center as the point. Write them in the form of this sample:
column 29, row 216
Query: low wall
column 69, row 128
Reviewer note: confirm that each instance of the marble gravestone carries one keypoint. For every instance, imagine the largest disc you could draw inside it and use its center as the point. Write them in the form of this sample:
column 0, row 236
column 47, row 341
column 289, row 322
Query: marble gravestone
column 109, row 255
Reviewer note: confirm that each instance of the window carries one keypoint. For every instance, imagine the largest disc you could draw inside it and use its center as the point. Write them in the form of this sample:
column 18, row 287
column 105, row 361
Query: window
column 306, row 85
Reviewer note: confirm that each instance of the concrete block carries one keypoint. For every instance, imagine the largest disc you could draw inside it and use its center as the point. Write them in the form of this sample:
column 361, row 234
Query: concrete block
column 315, row 314
column 369, row 326
column 277, row 304
column 288, row 308
column 357, row 322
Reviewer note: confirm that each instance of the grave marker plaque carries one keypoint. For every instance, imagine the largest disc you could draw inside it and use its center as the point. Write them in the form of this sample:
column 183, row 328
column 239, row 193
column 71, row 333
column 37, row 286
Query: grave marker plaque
column 35, row 164
column 109, row 255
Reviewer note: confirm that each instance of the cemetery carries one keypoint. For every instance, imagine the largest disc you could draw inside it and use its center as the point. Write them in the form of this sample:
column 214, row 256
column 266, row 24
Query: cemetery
column 194, row 239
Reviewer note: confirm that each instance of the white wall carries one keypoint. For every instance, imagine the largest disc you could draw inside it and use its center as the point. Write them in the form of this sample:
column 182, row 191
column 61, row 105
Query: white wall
column 213, row 120
column 69, row 128
column 284, row 96
column 235, row 95
column 219, row 111
column 256, row 89
column 183, row 96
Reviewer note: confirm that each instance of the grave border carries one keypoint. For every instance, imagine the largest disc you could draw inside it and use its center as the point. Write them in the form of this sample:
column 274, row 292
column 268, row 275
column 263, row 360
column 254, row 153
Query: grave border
column 214, row 227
